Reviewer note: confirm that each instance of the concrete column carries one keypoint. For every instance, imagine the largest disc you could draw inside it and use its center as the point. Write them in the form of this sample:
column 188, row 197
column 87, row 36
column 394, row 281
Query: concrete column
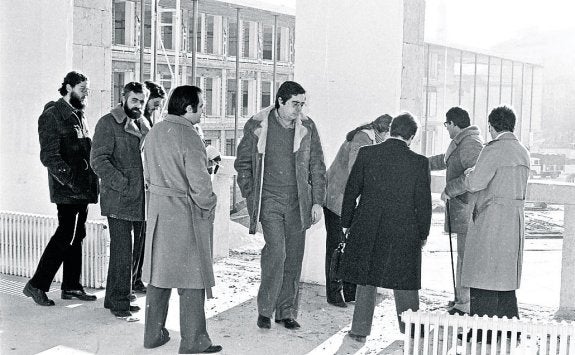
column 341, row 95
column 36, row 54
column 221, row 185
column 567, row 295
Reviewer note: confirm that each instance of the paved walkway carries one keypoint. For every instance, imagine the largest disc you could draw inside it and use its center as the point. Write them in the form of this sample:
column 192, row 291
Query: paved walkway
column 73, row 327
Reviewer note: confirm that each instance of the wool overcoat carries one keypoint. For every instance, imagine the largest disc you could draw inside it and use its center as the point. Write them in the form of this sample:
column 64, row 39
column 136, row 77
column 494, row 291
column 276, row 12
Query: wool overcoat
column 392, row 219
column 338, row 172
column 116, row 158
column 181, row 205
column 494, row 244
column 461, row 154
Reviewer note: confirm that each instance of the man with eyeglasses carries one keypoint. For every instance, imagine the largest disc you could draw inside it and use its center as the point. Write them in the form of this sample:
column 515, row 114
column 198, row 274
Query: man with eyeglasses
column 461, row 154
column 65, row 150
column 116, row 158
column 284, row 185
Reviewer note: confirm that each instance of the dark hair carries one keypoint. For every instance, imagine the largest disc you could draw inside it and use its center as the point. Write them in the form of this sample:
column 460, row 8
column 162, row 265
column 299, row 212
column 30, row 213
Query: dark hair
column 380, row 124
column 156, row 90
column 458, row 116
column 73, row 78
column 135, row 87
column 182, row 97
column 404, row 126
column 287, row 90
column 502, row 118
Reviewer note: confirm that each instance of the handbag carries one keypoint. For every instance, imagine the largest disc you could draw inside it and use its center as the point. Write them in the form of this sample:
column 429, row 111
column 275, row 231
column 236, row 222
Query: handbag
column 336, row 260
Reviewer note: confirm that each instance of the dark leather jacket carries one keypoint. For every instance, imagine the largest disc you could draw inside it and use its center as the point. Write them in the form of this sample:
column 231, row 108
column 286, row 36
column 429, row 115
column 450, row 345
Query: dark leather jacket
column 65, row 150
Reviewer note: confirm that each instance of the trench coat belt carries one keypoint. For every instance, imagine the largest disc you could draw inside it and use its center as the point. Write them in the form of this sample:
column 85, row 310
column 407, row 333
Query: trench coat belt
column 507, row 202
column 172, row 192
column 167, row 191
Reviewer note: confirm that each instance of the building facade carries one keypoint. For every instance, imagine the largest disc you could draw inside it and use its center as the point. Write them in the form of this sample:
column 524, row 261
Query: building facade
column 217, row 39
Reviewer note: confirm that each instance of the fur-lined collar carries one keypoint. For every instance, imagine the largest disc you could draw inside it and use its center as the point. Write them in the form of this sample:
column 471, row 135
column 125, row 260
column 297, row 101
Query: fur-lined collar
column 262, row 131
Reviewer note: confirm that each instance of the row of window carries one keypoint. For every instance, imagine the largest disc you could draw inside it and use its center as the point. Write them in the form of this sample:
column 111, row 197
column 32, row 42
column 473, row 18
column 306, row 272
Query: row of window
column 251, row 94
column 216, row 34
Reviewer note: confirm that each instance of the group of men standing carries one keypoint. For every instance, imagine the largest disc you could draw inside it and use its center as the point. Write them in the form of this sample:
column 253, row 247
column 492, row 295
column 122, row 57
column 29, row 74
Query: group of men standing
column 157, row 195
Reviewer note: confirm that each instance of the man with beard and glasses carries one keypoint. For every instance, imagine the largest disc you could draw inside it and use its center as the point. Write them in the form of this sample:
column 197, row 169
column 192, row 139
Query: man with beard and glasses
column 65, row 151
column 116, row 159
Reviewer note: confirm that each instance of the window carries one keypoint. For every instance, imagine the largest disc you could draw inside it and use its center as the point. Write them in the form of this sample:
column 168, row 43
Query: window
column 249, row 39
column 230, row 147
column 119, row 22
column 232, row 37
column 268, row 42
column 245, row 98
column 191, row 32
column 282, row 44
column 210, row 25
column 148, row 27
column 167, row 27
column 231, row 97
column 266, row 94
column 208, row 96
column 118, row 83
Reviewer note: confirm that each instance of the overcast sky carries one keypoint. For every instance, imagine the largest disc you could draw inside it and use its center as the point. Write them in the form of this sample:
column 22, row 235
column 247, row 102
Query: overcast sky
column 483, row 23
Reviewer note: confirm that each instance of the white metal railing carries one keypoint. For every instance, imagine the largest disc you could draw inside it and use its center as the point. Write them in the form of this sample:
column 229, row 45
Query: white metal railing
column 24, row 236
column 506, row 336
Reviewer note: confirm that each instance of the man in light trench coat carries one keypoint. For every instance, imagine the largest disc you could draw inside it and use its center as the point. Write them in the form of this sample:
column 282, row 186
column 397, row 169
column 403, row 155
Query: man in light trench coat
column 494, row 245
column 180, row 214
column 462, row 154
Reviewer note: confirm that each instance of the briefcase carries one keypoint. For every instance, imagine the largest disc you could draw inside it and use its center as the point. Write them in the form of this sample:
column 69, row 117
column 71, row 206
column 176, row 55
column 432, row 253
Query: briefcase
column 336, row 260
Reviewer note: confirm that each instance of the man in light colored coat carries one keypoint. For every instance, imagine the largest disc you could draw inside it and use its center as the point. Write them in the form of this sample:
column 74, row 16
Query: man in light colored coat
column 462, row 154
column 494, row 245
column 181, row 206
column 286, row 178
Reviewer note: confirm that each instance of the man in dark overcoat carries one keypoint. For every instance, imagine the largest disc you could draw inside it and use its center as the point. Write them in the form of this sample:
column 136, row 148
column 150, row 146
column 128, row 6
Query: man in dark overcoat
column 389, row 226
column 65, row 150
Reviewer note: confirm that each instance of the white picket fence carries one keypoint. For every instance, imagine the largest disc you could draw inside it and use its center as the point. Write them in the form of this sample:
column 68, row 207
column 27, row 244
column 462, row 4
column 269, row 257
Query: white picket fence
column 24, row 236
column 508, row 336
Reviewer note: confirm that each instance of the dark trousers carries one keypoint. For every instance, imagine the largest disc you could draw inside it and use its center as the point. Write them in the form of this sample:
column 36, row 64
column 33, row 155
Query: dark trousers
column 365, row 307
column 334, row 236
column 65, row 247
column 193, row 331
column 119, row 283
column 282, row 256
column 493, row 303
column 138, row 256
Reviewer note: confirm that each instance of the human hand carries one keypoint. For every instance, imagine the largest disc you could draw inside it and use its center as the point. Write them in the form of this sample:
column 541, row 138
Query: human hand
column 444, row 196
column 468, row 171
column 423, row 242
column 344, row 230
column 316, row 212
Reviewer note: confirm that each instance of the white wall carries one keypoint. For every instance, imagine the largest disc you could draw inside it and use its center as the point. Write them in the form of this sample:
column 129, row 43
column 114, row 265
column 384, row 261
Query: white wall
column 41, row 41
column 349, row 60
column 36, row 54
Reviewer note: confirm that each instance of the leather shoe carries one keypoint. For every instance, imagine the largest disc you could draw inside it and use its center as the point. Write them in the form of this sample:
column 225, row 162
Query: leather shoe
column 37, row 295
column 133, row 297
column 264, row 322
column 289, row 323
column 79, row 294
column 341, row 304
column 163, row 339
column 134, row 308
column 213, row 349
column 454, row 311
column 209, row 350
column 139, row 287
column 356, row 337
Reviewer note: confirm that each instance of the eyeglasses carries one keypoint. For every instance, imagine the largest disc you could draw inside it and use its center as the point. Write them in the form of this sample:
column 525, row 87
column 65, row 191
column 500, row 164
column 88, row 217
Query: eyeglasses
column 295, row 104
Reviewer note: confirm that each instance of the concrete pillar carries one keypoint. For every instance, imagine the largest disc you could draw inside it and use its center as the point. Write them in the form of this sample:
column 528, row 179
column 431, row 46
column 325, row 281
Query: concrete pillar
column 221, row 185
column 36, row 55
column 567, row 295
column 341, row 94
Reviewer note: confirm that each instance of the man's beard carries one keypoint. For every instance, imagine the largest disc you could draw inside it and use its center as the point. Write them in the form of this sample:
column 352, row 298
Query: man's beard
column 133, row 113
column 76, row 101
